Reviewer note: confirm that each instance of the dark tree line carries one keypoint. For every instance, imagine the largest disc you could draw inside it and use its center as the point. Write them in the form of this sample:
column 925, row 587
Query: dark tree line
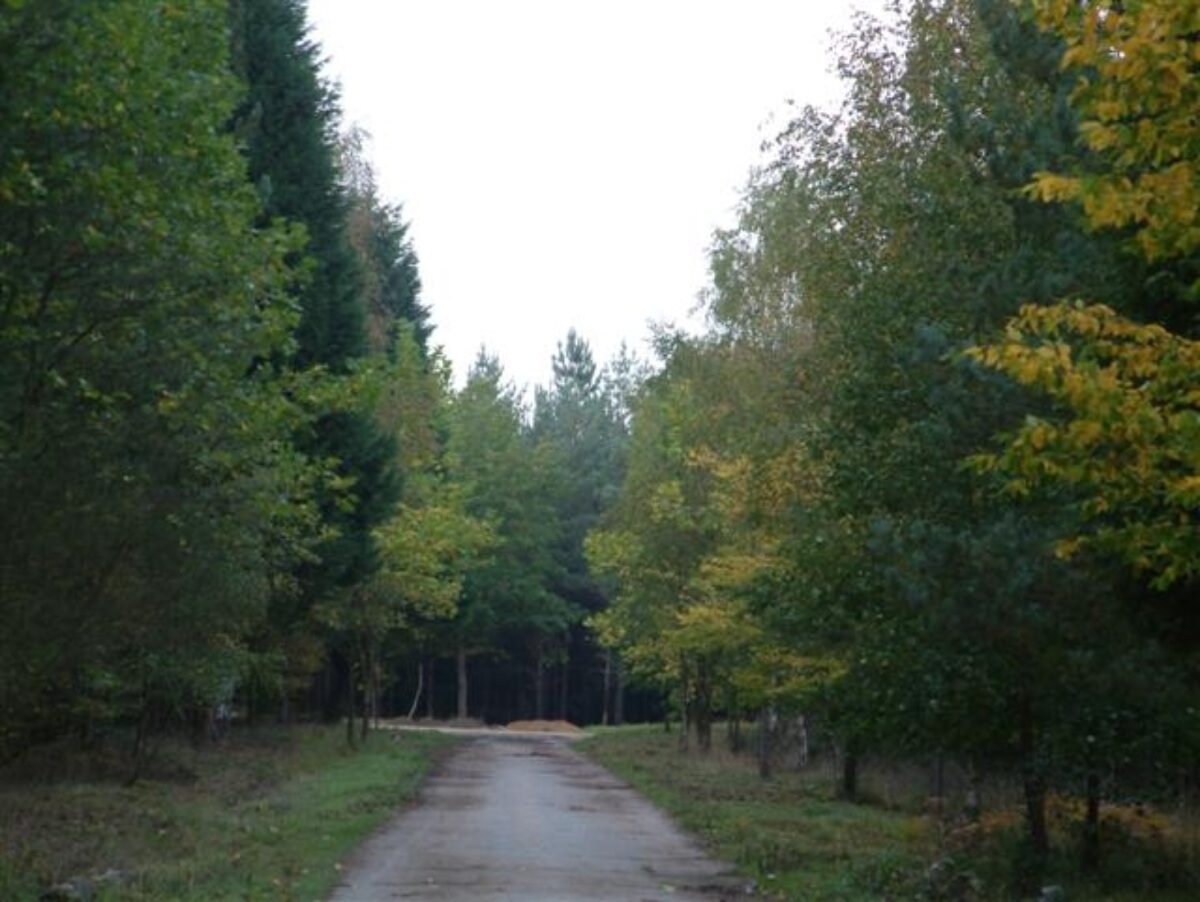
column 188, row 278
column 237, row 477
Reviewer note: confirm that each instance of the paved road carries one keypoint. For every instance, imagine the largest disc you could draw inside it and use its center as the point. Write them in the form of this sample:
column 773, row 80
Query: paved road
column 528, row 818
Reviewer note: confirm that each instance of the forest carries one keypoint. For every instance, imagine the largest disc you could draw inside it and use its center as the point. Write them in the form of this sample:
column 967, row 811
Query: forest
column 926, row 483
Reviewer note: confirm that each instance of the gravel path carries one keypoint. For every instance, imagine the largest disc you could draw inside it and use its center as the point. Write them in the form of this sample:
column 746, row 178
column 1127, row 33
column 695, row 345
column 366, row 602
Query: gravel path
column 527, row 818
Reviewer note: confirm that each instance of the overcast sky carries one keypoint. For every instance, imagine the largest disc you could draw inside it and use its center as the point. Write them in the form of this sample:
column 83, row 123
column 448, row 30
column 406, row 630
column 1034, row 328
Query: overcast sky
column 564, row 163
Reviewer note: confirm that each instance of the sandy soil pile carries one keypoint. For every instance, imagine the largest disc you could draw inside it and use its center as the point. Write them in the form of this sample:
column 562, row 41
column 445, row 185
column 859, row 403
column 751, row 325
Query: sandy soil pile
column 543, row 726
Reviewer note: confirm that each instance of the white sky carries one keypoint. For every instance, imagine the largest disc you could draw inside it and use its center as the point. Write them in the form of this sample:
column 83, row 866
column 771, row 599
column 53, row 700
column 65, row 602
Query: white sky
column 565, row 162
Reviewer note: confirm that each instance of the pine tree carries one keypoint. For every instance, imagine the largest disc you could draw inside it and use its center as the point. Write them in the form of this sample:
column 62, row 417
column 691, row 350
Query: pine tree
column 582, row 439
column 289, row 123
column 379, row 234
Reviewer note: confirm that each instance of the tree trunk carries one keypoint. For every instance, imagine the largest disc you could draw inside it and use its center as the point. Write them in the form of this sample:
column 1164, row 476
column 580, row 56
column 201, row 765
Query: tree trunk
column 1035, row 812
column 849, row 788
column 564, row 687
column 937, row 791
column 703, row 726
column 733, row 730
column 251, row 707
column 764, row 743
column 412, row 709
column 285, row 708
column 430, row 706
column 973, row 804
column 685, row 715
column 86, row 734
column 608, row 661
column 702, row 709
column 368, row 694
column 802, row 753
column 619, row 696
column 1035, row 803
column 350, row 705
column 462, row 683
column 140, row 738
column 539, row 684
column 367, row 708
column 376, row 688
column 1091, row 825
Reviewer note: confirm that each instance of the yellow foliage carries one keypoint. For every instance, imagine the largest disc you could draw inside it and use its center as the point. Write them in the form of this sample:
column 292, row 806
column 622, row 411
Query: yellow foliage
column 776, row 675
column 425, row 552
column 732, row 569
column 1138, row 98
column 667, row 504
column 1132, row 444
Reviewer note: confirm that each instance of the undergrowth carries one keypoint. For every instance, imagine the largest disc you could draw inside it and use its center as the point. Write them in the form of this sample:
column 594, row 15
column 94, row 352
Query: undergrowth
column 264, row 815
column 798, row 842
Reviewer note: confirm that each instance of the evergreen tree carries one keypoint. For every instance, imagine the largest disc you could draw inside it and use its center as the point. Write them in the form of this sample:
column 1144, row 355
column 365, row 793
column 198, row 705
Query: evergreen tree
column 379, row 235
column 289, row 123
column 507, row 592
column 582, row 440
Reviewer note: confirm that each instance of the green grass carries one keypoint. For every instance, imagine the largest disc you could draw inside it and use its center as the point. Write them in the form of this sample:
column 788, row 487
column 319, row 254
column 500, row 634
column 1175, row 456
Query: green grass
column 787, row 832
column 798, row 842
column 264, row 816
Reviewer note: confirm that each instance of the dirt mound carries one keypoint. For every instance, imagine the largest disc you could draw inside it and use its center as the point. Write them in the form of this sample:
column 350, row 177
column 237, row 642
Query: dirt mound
column 543, row 726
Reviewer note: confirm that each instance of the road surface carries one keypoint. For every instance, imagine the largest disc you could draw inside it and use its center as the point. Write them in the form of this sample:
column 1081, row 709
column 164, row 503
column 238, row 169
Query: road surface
column 525, row 817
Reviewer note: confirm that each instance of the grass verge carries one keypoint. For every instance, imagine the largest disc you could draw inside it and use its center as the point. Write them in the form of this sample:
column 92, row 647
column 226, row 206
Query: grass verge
column 268, row 815
column 785, row 833
column 798, row 842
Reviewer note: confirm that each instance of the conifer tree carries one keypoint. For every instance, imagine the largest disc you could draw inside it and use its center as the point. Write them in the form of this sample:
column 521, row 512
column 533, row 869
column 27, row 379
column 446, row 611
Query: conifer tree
column 289, row 123
column 578, row 428
column 378, row 232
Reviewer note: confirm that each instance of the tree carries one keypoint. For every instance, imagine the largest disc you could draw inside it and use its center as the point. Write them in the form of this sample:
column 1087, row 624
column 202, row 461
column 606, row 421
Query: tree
column 911, row 243
column 686, row 539
column 508, row 589
column 581, row 438
column 797, row 469
column 152, row 494
column 289, row 121
column 1124, row 433
column 429, row 543
column 387, row 261
column 1137, row 95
